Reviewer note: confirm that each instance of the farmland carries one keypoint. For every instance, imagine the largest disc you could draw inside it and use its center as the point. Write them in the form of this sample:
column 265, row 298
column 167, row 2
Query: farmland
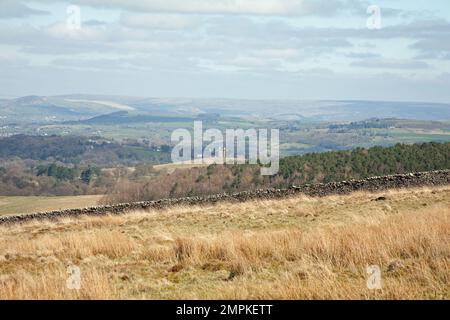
column 17, row 205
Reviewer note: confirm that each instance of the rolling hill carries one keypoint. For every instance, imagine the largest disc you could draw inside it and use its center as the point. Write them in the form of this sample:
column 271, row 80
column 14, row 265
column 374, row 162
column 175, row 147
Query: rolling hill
column 81, row 107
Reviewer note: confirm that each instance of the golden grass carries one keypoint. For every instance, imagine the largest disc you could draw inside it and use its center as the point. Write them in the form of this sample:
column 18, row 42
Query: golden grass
column 47, row 284
column 296, row 248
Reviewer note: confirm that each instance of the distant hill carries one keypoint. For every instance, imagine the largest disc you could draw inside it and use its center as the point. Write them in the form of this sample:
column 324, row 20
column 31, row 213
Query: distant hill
column 82, row 107
column 121, row 117
column 35, row 109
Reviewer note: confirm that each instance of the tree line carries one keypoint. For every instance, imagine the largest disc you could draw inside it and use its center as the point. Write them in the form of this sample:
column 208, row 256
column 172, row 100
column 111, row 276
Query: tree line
column 358, row 163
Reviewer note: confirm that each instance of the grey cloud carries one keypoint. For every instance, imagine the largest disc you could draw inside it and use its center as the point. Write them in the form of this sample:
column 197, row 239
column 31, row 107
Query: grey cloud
column 159, row 21
column 155, row 62
column 391, row 64
column 94, row 23
column 242, row 27
column 57, row 39
column 362, row 55
column 433, row 48
column 212, row 39
column 90, row 63
column 16, row 9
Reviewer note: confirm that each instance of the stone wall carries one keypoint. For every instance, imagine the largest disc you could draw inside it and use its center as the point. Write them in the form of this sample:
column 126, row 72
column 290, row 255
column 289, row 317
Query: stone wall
column 434, row 178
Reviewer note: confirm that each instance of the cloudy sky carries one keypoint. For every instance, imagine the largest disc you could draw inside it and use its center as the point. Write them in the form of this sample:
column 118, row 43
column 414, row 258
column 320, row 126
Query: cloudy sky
column 268, row 49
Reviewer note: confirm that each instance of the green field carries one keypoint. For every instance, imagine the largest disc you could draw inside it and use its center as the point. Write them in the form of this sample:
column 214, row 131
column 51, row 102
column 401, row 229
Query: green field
column 406, row 136
column 17, row 205
column 296, row 137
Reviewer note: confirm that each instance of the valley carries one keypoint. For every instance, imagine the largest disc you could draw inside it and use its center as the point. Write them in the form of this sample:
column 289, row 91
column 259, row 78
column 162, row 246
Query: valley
column 305, row 126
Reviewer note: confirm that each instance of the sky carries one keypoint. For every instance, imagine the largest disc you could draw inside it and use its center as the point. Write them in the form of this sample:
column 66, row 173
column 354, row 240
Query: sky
column 249, row 49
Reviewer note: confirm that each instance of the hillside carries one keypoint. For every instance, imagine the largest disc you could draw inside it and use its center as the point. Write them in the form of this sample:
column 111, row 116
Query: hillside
column 37, row 109
column 78, row 149
column 121, row 117
column 296, row 170
column 75, row 165
column 292, row 248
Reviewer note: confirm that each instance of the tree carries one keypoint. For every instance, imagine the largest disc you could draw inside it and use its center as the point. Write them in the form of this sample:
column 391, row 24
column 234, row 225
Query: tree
column 88, row 174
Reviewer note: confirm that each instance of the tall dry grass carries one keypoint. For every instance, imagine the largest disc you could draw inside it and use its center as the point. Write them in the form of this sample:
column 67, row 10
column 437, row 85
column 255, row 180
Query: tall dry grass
column 299, row 248
column 413, row 251
column 72, row 246
column 50, row 284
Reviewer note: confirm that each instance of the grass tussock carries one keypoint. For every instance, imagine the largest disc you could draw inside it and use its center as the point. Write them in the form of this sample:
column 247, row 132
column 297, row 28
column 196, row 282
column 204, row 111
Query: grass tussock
column 413, row 251
column 297, row 248
column 71, row 246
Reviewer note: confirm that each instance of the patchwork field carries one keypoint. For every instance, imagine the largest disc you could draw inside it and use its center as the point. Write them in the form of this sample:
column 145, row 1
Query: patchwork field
column 294, row 248
column 17, row 205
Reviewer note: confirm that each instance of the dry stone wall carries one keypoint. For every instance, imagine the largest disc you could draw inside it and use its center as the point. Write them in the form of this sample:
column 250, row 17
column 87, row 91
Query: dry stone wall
column 433, row 178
